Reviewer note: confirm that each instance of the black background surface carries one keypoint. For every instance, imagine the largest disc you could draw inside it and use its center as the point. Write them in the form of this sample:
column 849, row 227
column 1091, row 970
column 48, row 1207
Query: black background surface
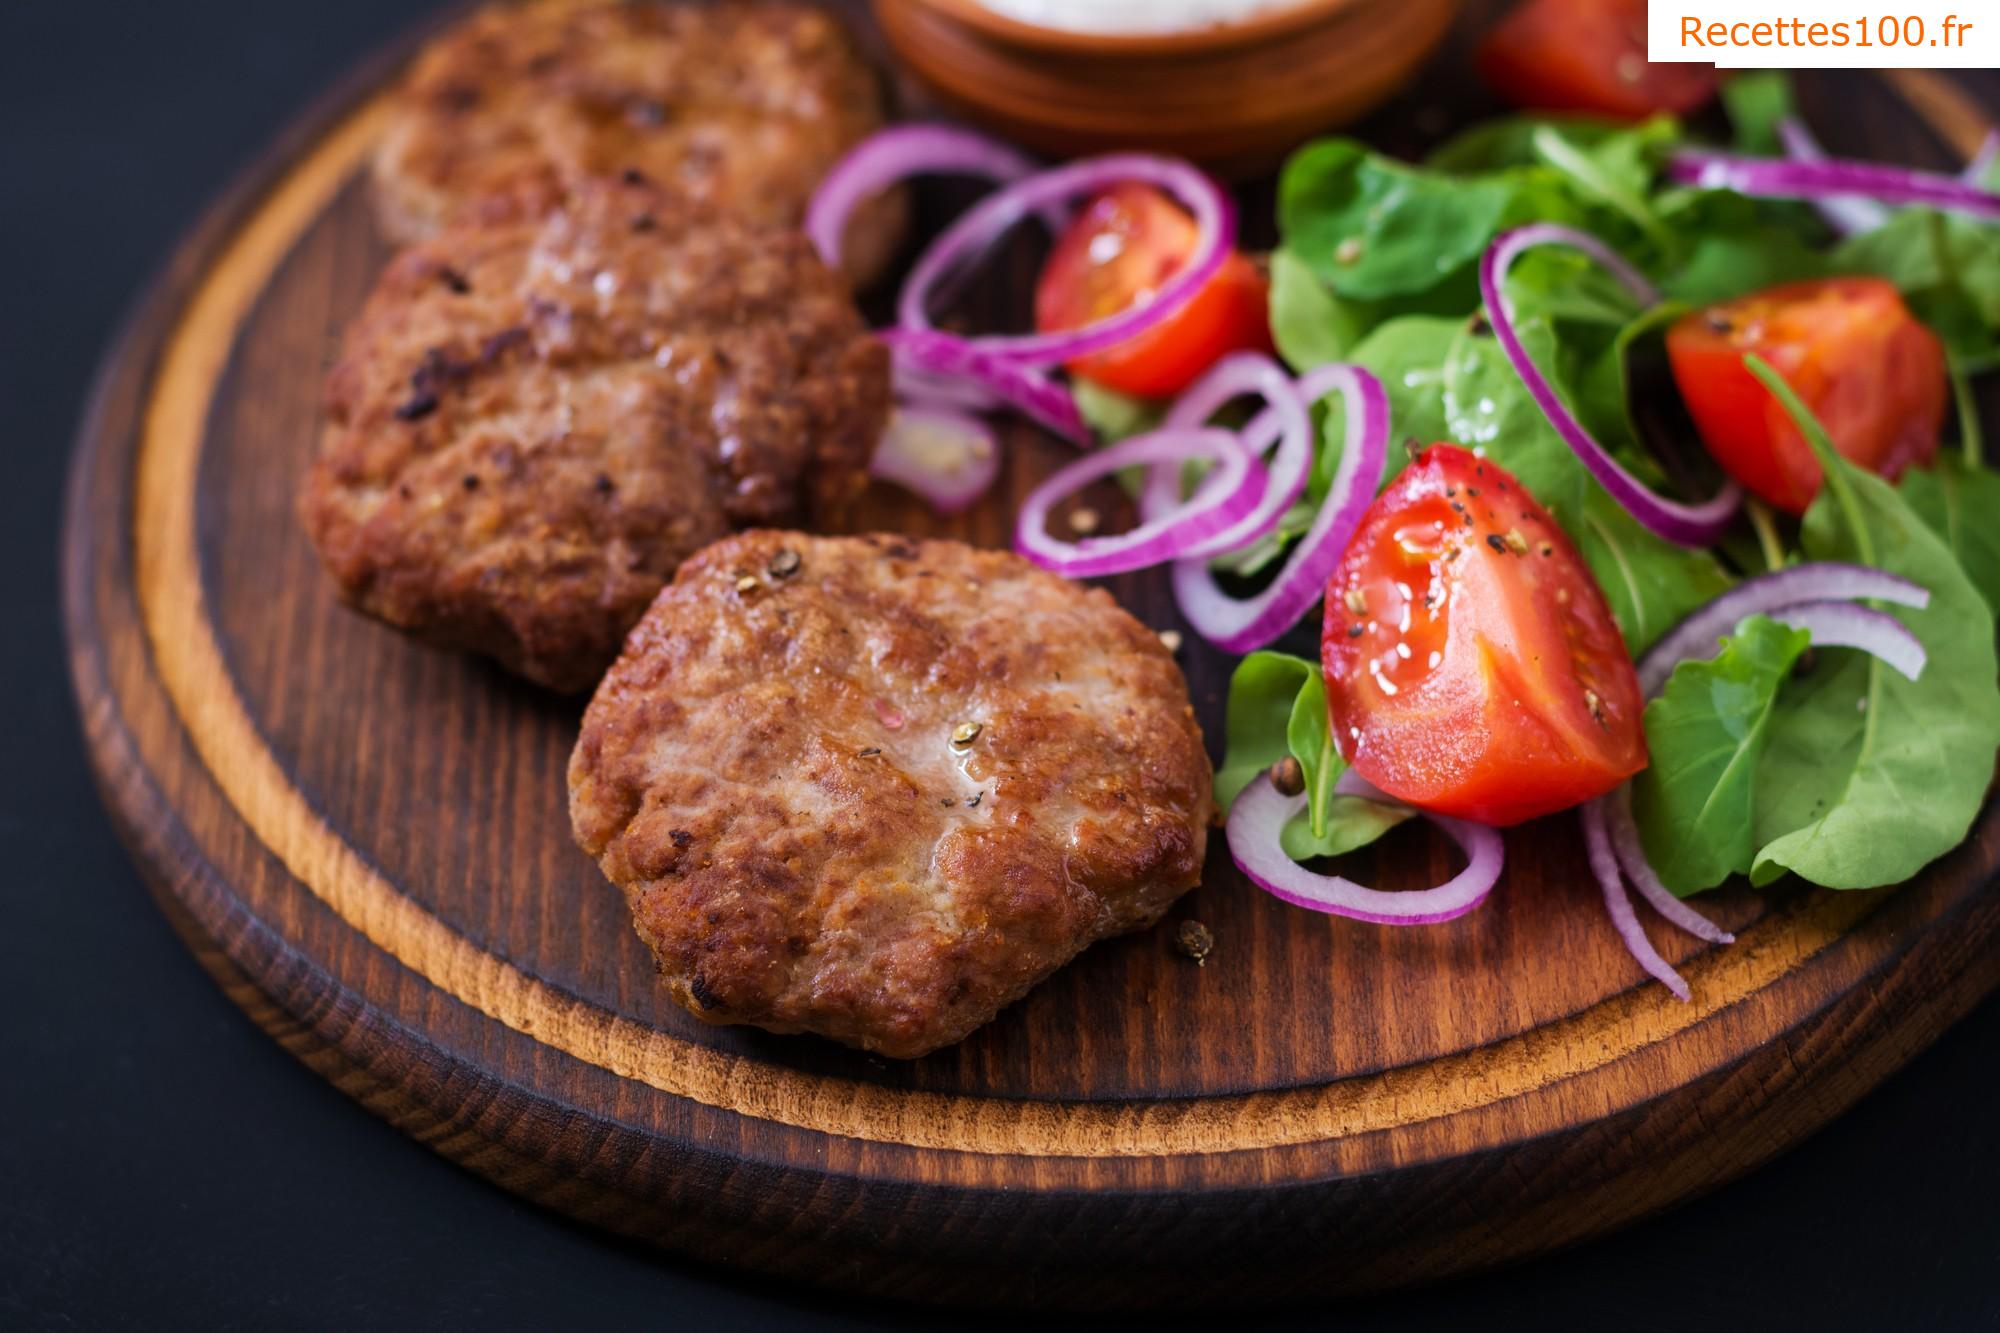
column 163, row 1164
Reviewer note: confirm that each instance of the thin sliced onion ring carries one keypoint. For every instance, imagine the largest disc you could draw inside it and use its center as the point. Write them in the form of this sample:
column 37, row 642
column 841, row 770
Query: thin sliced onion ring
column 947, row 457
column 1229, row 491
column 893, row 155
column 979, row 226
column 1616, row 811
column 944, row 368
column 1845, row 625
column 1832, row 178
column 1686, row 525
column 1260, row 814
column 1284, row 421
column 1604, row 865
column 1243, row 625
column 1822, row 581
column 1847, row 215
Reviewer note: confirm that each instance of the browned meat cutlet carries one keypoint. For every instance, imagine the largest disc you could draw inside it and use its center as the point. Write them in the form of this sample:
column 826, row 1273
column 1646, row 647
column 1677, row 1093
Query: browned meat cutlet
column 537, row 416
column 878, row 788
column 742, row 106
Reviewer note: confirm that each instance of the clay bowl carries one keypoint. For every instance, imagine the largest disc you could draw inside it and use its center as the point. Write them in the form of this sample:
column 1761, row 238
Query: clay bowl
column 1234, row 96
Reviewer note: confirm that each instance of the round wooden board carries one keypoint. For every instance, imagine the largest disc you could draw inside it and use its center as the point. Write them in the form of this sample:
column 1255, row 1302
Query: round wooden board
column 367, row 842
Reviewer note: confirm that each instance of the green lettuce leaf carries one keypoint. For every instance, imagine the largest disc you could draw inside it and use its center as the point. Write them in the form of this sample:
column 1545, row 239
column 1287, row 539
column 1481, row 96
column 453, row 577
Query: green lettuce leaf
column 1867, row 776
column 1948, row 268
column 1959, row 500
column 1310, row 323
column 1696, row 800
column 1113, row 415
column 1262, row 695
column 1277, row 706
column 1756, row 102
column 1371, row 227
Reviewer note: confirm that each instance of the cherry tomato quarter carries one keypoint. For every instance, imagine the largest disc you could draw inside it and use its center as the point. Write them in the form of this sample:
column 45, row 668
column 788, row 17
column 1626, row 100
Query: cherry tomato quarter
column 1849, row 347
column 1121, row 249
column 1472, row 666
column 1587, row 56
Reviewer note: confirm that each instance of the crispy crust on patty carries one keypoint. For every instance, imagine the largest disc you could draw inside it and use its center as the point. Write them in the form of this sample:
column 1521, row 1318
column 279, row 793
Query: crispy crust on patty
column 741, row 106
column 536, row 417
column 769, row 774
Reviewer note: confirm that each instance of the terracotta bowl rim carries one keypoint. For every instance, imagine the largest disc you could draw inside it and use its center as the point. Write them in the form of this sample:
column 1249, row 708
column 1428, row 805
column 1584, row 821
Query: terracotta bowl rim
column 1217, row 38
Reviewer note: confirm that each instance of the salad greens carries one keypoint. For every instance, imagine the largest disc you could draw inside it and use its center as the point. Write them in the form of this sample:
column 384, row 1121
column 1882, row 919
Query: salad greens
column 1707, row 733
column 1958, row 498
column 1277, row 707
column 1869, row 775
column 1768, row 758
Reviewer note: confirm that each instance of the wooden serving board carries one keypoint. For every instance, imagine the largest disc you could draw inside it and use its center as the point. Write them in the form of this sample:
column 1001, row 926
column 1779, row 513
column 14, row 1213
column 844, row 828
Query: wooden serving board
column 367, row 842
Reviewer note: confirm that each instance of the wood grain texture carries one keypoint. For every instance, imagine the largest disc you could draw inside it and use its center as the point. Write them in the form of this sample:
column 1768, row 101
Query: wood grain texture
column 366, row 841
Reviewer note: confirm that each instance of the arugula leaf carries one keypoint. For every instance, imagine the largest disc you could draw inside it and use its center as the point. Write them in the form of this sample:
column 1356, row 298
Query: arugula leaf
column 1310, row 323
column 1649, row 584
column 1867, row 776
column 1113, row 415
column 1408, row 354
column 1948, row 268
column 1277, row 706
column 1733, row 244
column 1627, row 150
column 1309, row 732
column 1263, row 695
column 1350, row 823
column 1617, row 173
column 1706, row 731
column 1958, row 499
column 1756, row 102
column 1372, row 227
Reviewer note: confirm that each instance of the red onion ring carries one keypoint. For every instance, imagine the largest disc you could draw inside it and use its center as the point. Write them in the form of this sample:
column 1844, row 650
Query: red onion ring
column 1226, row 494
column 1616, row 811
column 942, row 367
column 1260, row 814
column 1832, row 178
column 1845, row 625
column 1686, row 525
column 1604, row 865
column 976, row 229
column 1243, row 625
column 1283, row 420
column 947, row 457
column 890, row 156
column 1766, row 594
column 1850, row 215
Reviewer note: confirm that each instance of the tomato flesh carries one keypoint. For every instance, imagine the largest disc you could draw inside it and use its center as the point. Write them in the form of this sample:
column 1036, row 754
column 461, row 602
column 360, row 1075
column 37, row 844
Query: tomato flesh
column 1472, row 666
column 1849, row 347
column 1587, row 56
column 1122, row 248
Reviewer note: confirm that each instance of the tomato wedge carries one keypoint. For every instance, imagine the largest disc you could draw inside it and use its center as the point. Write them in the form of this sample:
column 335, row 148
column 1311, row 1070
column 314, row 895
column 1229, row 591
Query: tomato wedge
column 1472, row 666
column 1588, row 56
column 1120, row 249
column 1872, row 374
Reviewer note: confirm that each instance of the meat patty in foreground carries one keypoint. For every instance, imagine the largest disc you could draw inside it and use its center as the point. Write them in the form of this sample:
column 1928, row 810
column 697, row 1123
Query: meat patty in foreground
column 536, row 417
column 742, row 106
column 877, row 788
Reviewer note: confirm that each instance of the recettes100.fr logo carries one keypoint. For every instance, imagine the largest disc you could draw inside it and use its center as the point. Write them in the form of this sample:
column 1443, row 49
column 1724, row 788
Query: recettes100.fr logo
column 1851, row 34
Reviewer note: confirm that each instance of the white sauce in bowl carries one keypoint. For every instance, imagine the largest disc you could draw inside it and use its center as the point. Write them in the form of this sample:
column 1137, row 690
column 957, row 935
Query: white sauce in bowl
column 1132, row 17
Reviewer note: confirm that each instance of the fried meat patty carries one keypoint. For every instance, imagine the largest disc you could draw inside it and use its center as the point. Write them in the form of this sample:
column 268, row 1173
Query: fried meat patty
column 537, row 416
column 743, row 106
column 877, row 788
